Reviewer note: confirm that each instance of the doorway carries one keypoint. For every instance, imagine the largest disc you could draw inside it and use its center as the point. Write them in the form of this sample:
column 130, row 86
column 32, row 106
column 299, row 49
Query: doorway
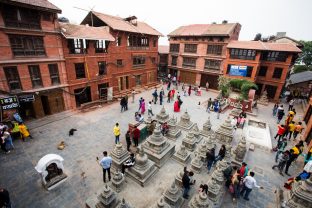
column 82, row 95
column 103, row 91
column 45, row 104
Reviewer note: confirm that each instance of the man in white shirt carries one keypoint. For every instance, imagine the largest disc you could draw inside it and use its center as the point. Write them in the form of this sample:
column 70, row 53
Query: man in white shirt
column 149, row 109
column 249, row 184
column 106, row 163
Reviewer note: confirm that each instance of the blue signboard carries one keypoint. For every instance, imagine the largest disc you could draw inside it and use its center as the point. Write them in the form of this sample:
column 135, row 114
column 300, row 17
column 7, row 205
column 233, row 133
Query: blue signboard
column 238, row 70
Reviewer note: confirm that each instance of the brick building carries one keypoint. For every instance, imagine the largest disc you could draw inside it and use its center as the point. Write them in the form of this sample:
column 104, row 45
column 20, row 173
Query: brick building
column 265, row 63
column 197, row 52
column 163, row 53
column 31, row 57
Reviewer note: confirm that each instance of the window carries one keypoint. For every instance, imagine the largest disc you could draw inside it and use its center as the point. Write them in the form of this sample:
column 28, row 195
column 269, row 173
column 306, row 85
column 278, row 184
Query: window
column 262, row 71
column 47, row 16
column 118, row 41
column 242, row 54
column 137, row 80
column 154, row 42
column 221, row 39
column 21, row 17
column 25, row 45
column 153, row 60
column 214, row 49
column 54, row 74
column 277, row 73
column 12, row 77
column 80, row 70
column 249, row 71
column 274, row 56
column 174, row 60
column 190, row 48
column 138, row 41
column 138, row 61
column 35, row 75
column 210, row 39
column 212, row 64
column 102, row 67
column 77, row 46
column 189, row 62
column 100, row 46
column 119, row 62
column 174, row 47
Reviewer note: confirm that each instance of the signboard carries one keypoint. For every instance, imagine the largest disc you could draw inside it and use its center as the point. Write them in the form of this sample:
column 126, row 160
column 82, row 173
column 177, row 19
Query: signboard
column 9, row 103
column 26, row 98
column 238, row 70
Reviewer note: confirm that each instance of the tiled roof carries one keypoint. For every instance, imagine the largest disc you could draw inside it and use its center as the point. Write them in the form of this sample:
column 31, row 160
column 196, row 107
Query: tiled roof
column 118, row 23
column 39, row 4
column 264, row 46
column 163, row 49
column 204, row 30
column 85, row 32
column 300, row 77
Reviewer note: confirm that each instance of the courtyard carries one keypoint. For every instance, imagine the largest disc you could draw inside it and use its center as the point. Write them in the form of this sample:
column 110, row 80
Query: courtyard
column 95, row 134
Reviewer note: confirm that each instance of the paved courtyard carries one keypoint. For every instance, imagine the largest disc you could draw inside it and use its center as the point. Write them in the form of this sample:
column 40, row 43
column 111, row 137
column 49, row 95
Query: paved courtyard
column 95, row 135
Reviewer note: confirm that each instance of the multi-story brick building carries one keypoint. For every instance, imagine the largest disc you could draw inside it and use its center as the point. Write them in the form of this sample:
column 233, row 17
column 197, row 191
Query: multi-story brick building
column 265, row 63
column 31, row 56
column 163, row 51
column 197, row 52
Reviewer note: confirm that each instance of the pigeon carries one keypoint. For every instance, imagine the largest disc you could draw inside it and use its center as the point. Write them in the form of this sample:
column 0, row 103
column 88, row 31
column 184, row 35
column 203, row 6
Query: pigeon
column 71, row 132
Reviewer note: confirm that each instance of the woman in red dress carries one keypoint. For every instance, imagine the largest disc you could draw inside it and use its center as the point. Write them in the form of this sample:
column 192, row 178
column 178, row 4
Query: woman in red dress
column 176, row 107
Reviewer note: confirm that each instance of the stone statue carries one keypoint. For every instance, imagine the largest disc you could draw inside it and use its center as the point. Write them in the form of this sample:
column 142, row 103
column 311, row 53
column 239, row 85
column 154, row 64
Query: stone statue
column 173, row 196
column 196, row 132
column 224, row 133
column 162, row 116
column 240, row 151
column 173, row 132
column 207, row 131
column 107, row 198
column 185, row 122
column 117, row 181
column 182, row 155
column 189, row 141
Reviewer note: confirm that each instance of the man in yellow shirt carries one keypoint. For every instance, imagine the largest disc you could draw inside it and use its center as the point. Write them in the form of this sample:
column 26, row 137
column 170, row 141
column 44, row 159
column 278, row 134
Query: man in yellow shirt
column 24, row 131
column 291, row 129
column 116, row 133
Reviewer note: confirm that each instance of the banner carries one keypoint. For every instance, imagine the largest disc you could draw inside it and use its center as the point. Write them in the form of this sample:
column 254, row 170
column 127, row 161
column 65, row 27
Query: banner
column 238, row 70
column 9, row 103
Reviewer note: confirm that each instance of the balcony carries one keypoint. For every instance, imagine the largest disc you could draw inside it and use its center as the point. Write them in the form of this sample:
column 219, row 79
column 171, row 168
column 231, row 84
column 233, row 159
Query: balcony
column 138, row 48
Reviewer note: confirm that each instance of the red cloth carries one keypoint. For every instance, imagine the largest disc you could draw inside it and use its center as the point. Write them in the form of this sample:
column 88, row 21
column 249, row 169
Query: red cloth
column 242, row 171
column 136, row 133
column 176, row 106
column 281, row 130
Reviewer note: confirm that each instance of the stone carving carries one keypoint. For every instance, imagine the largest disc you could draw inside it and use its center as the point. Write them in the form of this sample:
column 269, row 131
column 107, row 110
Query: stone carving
column 107, row 198
column 162, row 116
column 240, row 151
column 217, row 175
column 196, row 164
column 161, row 203
column 173, row 196
column 182, row 155
column 207, row 131
column 173, row 132
column 263, row 100
column 214, row 191
column 200, row 200
column 143, row 170
column 119, row 156
column 158, row 148
column 224, row 133
column 202, row 150
column 228, row 153
column 185, row 122
column 124, row 204
column 196, row 132
column 178, row 178
column 235, row 112
column 189, row 141
column 117, row 181
column 210, row 143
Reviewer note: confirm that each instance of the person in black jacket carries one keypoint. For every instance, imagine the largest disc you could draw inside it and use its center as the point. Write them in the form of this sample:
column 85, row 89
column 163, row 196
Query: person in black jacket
column 128, row 140
column 221, row 154
column 210, row 158
column 5, row 198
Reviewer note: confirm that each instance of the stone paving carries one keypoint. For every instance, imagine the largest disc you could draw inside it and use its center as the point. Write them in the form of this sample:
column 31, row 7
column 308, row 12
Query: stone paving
column 95, row 135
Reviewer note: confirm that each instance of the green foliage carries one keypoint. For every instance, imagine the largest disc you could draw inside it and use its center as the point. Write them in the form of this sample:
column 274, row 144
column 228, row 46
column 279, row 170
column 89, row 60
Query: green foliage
column 306, row 55
column 237, row 83
column 301, row 68
column 224, row 85
column 246, row 87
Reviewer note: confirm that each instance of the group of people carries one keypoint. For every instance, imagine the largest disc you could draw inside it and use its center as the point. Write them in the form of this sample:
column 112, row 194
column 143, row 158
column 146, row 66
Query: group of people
column 124, row 103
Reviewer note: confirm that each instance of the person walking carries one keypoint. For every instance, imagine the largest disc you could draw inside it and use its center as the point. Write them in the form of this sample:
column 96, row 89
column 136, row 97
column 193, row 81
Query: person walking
column 294, row 153
column 298, row 129
column 249, row 183
column 128, row 140
column 106, row 163
column 280, row 132
column 123, row 104
column 221, row 154
column 24, row 131
column 136, row 136
column 210, row 158
column 291, row 129
column 275, row 109
column 235, row 183
column 126, row 102
column 282, row 159
column 209, row 105
column 281, row 145
column 149, row 109
column 280, row 114
column 243, row 171
column 186, row 183
column 117, row 133
column 189, row 90
column 140, row 103
column 291, row 104
column 207, row 86
column 6, row 136
column 155, row 95
column 5, row 201
column 169, row 96
column 133, row 95
column 142, row 106
column 161, row 96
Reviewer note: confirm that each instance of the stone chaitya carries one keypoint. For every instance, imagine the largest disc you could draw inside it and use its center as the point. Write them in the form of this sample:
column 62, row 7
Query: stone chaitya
column 235, row 112
column 200, row 200
column 207, row 131
column 143, row 170
column 173, row 196
column 224, row 133
column 240, row 152
column 196, row 132
column 182, row 155
column 217, row 173
column 201, row 150
column 119, row 155
column 263, row 100
column 189, row 141
column 158, row 148
column 210, row 143
column 214, row 192
column 178, row 178
column 124, row 204
column 106, row 198
column 161, row 204
column 162, row 116
column 196, row 164
column 173, row 132
column 185, row 122
column 117, row 181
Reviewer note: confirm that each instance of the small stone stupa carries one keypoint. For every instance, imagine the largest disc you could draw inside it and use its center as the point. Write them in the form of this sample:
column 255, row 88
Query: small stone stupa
column 189, row 141
column 119, row 155
column 173, row 132
column 117, row 181
column 143, row 169
column 217, row 175
column 207, row 131
column 178, row 178
column 235, row 112
column 263, row 100
column 182, row 155
column 185, row 122
column 162, row 116
column 224, row 133
column 200, row 200
column 173, row 196
column 201, row 150
column 107, row 198
column 158, row 148
column 210, row 143
column 196, row 164
column 196, row 132
column 214, row 192
column 124, row 204
column 161, row 203
column 240, row 152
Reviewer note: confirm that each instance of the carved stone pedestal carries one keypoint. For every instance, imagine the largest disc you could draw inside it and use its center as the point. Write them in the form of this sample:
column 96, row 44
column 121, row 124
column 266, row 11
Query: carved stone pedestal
column 207, row 131
column 117, row 181
column 162, row 116
column 119, row 156
column 173, row 132
column 185, row 123
column 178, row 178
column 196, row 164
column 182, row 155
column 200, row 200
column 161, row 203
column 224, row 133
column 173, row 196
column 240, row 152
column 189, row 141
column 201, row 151
column 196, row 132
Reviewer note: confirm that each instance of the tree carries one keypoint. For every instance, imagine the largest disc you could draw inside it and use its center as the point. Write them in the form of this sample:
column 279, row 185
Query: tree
column 306, row 55
column 258, row 37
column 301, row 68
